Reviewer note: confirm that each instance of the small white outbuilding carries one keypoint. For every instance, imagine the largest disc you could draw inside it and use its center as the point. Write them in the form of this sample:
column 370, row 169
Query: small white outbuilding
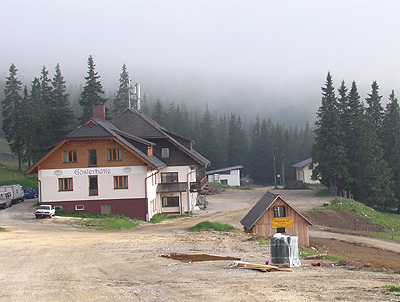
column 227, row 176
column 304, row 172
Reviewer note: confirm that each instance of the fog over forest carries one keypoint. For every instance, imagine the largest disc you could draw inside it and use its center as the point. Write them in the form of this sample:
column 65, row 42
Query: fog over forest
column 259, row 57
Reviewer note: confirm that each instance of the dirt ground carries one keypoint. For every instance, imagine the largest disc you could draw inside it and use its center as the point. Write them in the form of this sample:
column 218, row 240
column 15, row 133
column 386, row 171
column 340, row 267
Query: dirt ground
column 48, row 260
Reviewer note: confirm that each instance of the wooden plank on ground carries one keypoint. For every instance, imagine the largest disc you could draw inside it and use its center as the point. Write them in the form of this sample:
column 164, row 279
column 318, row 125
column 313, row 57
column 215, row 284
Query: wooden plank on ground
column 198, row 257
column 259, row 267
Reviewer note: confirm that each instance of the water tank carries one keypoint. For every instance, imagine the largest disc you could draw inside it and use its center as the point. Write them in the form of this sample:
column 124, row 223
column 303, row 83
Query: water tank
column 279, row 249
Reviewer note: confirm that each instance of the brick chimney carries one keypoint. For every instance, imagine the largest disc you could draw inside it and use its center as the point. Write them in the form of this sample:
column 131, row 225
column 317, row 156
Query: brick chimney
column 99, row 112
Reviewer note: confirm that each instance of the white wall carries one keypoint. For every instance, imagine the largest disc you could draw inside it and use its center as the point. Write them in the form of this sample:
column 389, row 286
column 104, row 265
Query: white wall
column 304, row 174
column 233, row 178
column 80, row 179
column 183, row 196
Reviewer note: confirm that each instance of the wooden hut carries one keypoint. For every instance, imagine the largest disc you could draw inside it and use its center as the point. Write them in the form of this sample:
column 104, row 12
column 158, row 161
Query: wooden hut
column 272, row 214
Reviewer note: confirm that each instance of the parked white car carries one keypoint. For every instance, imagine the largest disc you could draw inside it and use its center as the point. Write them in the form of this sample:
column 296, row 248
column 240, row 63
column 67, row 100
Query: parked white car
column 45, row 210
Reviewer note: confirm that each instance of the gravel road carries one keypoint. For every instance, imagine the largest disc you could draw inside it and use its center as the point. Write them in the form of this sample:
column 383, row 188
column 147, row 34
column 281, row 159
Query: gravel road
column 45, row 260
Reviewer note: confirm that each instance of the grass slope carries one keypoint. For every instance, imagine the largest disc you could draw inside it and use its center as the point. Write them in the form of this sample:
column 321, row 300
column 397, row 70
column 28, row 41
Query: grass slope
column 388, row 221
column 9, row 173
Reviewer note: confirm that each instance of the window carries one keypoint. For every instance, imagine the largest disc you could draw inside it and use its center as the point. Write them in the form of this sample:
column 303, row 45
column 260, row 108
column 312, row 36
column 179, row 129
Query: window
column 114, row 154
column 169, row 177
column 92, row 157
column 105, row 209
column 120, row 182
column 69, row 156
column 59, row 207
column 165, row 152
column 93, row 186
column 279, row 211
column 65, row 184
column 281, row 230
column 79, row 207
column 172, row 201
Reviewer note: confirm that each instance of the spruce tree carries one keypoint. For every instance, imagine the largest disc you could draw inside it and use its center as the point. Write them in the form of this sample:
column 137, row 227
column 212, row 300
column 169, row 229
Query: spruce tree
column 329, row 153
column 391, row 144
column 159, row 113
column 261, row 158
column 24, row 110
column 208, row 144
column 92, row 94
column 36, row 131
column 60, row 115
column 122, row 98
column 12, row 120
column 237, row 142
column 307, row 140
column 375, row 109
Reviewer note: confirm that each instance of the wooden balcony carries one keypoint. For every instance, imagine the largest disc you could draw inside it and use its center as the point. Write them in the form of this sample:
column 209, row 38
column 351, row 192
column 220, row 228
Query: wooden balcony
column 198, row 185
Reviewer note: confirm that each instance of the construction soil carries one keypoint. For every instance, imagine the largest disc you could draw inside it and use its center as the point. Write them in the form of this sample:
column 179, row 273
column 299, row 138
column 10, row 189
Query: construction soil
column 51, row 260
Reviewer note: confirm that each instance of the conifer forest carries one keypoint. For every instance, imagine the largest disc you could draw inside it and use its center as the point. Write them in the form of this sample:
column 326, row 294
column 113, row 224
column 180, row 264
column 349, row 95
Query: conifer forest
column 354, row 143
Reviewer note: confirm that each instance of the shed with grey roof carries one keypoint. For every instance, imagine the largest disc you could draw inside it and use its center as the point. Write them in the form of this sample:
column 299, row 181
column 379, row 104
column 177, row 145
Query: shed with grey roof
column 273, row 214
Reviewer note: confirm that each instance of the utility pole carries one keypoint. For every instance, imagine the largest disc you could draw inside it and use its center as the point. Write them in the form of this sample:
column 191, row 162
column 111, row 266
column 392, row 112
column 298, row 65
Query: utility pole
column 274, row 173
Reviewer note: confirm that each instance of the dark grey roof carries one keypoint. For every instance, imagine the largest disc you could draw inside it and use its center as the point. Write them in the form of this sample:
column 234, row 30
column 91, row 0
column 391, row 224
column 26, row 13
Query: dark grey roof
column 303, row 163
column 112, row 129
column 258, row 210
column 135, row 123
column 140, row 125
column 224, row 170
column 89, row 130
column 172, row 187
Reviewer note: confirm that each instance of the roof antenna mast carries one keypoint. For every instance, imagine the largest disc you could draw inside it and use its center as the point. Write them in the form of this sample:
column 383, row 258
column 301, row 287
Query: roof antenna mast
column 129, row 93
column 137, row 96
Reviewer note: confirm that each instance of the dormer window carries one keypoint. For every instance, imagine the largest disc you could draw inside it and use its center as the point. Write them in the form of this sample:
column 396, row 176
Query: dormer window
column 114, row 154
column 165, row 152
column 69, row 156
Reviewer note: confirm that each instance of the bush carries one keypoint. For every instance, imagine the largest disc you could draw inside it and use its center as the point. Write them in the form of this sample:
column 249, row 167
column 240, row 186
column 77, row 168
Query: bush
column 2, row 229
column 295, row 185
column 209, row 225
column 160, row 217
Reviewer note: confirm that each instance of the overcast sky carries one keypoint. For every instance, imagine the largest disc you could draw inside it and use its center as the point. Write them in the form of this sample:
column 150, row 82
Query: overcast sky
column 264, row 53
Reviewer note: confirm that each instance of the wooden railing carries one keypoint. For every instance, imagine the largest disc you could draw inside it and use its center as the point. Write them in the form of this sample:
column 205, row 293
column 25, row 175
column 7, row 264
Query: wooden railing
column 198, row 185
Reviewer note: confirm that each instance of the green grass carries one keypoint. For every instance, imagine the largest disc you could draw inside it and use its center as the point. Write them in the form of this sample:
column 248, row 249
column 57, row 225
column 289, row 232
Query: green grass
column 304, row 252
column 9, row 173
column 209, row 225
column 2, row 229
column 219, row 185
column 324, row 193
column 262, row 241
column 160, row 217
column 101, row 222
column 387, row 221
column 392, row 288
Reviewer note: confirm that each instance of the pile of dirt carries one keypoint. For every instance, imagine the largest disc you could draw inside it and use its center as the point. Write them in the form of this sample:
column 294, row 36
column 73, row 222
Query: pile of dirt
column 341, row 219
column 359, row 255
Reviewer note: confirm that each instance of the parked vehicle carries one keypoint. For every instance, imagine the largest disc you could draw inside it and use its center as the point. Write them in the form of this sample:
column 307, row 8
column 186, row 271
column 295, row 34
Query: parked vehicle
column 5, row 200
column 30, row 192
column 16, row 191
column 45, row 211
